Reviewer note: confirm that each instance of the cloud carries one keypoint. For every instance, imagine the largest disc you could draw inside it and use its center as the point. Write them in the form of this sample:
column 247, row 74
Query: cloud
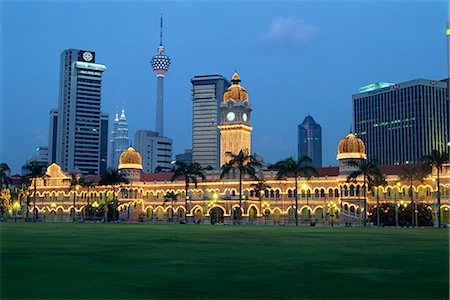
column 290, row 31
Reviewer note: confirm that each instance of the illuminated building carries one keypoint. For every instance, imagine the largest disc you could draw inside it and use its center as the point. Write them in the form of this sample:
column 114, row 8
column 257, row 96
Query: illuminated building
column 326, row 199
column 156, row 151
column 207, row 94
column 310, row 141
column 79, row 144
column 119, row 138
column 235, row 129
column 400, row 123
column 160, row 64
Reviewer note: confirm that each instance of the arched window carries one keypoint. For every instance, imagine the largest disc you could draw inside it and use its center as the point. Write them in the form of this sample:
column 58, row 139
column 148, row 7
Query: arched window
column 289, row 193
column 352, row 190
column 316, row 193
column 277, row 194
column 252, row 193
column 322, row 193
column 272, row 194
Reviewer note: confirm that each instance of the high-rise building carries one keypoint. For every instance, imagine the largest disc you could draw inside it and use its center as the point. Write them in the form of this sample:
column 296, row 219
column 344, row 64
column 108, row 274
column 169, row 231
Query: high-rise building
column 52, row 135
column 235, row 129
column 41, row 157
column 79, row 143
column 119, row 139
column 155, row 150
column 185, row 157
column 400, row 123
column 160, row 64
column 310, row 141
column 207, row 95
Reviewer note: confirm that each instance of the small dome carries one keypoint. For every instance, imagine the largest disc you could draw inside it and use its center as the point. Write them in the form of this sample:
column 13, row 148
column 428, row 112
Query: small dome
column 130, row 159
column 351, row 147
column 235, row 92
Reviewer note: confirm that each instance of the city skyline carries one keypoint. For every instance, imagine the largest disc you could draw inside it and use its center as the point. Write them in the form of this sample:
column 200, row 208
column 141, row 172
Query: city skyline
column 292, row 60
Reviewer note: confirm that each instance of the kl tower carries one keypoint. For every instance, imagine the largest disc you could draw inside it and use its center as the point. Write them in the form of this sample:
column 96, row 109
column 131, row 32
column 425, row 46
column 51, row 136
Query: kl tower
column 160, row 64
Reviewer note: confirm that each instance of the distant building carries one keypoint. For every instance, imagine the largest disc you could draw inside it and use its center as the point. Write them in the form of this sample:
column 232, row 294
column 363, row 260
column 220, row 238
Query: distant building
column 207, row 94
column 52, row 135
column 185, row 157
column 80, row 146
column 155, row 150
column 119, row 139
column 400, row 123
column 41, row 157
column 310, row 141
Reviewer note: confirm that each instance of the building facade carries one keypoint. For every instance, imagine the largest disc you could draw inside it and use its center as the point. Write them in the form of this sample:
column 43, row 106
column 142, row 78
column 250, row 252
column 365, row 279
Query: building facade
column 185, row 157
column 310, row 141
column 400, row 123
column 329, row 199
column 155, row 150
column 119, row 139
column 235, row 129
column 79, row 133
column 160, row 65
column 207, row 94
column 52, row 135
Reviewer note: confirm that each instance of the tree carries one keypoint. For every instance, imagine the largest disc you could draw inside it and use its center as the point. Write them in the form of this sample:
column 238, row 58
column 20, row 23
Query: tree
column 34, row 171
column 409, row 174
column 260, row 187
column 437, row 160
column 74, row 184
column 245, row 164
column 112, row 177
column 377, row 182
column 369, row 170
column 303, row 167
column 190, row 173
column 4, row 172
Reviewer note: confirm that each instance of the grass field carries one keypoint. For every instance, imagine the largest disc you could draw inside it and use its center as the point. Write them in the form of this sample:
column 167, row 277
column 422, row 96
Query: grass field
column 199, row 261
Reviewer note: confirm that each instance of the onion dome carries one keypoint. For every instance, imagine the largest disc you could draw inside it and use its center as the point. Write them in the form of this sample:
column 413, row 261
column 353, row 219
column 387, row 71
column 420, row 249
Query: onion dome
column 235, row 92
column 351, row 147
column 130, row 159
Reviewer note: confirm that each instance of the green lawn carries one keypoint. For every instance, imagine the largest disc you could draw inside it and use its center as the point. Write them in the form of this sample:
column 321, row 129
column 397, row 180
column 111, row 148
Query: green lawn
column 202, row 261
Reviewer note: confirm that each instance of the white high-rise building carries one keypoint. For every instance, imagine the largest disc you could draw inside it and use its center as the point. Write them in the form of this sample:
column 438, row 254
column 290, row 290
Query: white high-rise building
column 80, row 146
column 155, row 150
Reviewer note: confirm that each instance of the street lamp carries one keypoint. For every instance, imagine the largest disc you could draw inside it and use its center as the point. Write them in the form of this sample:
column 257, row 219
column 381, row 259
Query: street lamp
column 16, row 207
column 95, row 205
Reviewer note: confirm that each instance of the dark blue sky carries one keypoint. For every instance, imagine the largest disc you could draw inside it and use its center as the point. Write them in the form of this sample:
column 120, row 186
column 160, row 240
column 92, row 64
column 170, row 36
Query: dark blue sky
column 294, row 58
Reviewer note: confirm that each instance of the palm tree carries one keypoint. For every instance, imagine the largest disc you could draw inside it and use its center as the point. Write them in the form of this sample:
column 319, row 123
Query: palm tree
column 379, row 180
column 369, row 170
column 74, row 185
column 33, row 171
column 190, row 173
column 4, row 179
column 261, row 186
column 437, row 159
column 409, row 174
column 112, row 177
column 303, row 167
column 245, row 164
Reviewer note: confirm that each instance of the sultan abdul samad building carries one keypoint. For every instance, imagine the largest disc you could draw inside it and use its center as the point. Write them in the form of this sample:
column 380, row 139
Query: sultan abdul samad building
column 326, row 199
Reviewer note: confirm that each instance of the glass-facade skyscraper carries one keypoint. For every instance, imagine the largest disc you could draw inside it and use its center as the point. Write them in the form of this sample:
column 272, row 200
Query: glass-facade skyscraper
column 119, row 138
column 207, row 95
column 400, row 123
column 310, row 141
column 80, row 144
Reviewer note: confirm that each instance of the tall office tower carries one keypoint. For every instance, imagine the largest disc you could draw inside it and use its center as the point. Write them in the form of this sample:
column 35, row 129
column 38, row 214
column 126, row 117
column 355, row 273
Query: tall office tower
column 400, row 123
column 160, row 64
column 310, row 141
column 235, row 129
column 52, row 135
column 119, row 139
column 185, row 157
column 79, row 116
column 155, row 150
column 207, row 94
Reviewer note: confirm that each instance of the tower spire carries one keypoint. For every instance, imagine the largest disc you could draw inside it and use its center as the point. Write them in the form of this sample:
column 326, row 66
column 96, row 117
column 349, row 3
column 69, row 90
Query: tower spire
column 161, row 28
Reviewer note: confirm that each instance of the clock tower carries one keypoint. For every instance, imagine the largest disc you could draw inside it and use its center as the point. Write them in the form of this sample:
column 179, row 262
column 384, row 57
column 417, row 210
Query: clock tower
column 235, row 129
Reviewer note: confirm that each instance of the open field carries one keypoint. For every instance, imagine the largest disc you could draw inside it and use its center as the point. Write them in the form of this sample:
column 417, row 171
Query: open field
column 200, row 261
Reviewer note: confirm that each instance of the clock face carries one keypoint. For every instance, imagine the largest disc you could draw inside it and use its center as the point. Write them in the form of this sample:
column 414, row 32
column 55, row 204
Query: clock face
column 244, row 117
column 231, row 116
column 87, row 56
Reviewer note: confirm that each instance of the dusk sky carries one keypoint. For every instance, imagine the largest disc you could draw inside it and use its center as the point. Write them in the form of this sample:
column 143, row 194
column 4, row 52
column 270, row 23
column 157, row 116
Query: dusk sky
column 294, row 58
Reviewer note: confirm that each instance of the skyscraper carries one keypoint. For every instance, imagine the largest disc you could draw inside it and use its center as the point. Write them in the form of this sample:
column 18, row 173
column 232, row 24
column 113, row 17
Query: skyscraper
column 119, row 139
column 400, row 123
column 155, row 150
column 235, row 129
column 80, row 143
column 52, row 135
column 160, row 64
column 310, row 141
column 207, row 95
